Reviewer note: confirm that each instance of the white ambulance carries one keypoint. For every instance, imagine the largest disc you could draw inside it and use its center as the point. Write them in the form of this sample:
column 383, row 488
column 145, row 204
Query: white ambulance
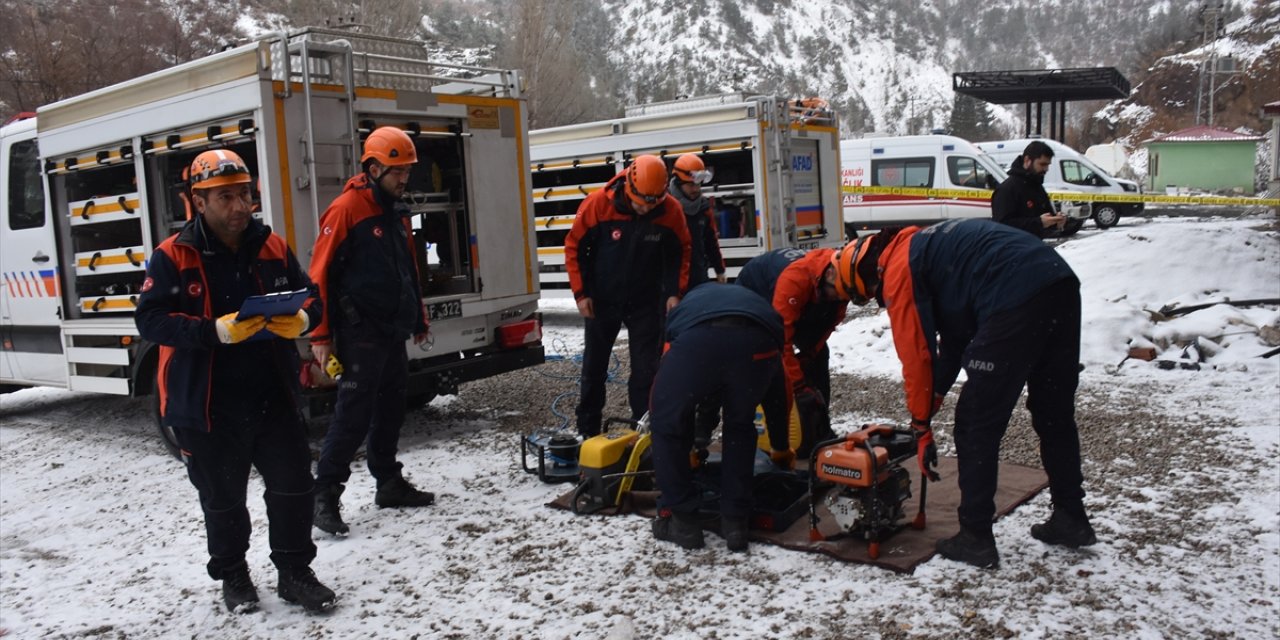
column 93, row 183
column 775, row 163
column 915, row 162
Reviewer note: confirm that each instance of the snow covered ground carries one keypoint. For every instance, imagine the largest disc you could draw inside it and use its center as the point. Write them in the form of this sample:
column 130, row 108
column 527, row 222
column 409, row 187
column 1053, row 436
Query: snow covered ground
column 100, row 533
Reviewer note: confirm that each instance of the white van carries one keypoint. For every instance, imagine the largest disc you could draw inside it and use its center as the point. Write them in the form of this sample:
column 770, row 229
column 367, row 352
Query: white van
column 919, row 162
column 1072, row 171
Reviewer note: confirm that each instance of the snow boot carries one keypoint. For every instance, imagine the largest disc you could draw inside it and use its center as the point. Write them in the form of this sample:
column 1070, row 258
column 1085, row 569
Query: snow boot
column 1066, row 529
column 299, row 586
column 238, row 591
column 734, row 532
column 680, row 528
column 328, row 504
column 970, row 547
column 397, row 492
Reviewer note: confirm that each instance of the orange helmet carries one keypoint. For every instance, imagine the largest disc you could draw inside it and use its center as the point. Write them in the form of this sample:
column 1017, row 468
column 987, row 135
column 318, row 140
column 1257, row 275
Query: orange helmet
column 390, row 146
column 647, row 180
column 849, row 283
column 218, row 167
column 690, row 168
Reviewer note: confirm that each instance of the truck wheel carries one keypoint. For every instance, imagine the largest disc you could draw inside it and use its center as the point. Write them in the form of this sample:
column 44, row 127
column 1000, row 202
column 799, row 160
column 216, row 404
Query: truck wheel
column 166, row 433
column 416, row 401
column 1106, row 215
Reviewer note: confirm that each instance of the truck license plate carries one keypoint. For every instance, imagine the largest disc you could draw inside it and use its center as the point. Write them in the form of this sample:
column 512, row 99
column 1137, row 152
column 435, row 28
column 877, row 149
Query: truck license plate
column 446, row 309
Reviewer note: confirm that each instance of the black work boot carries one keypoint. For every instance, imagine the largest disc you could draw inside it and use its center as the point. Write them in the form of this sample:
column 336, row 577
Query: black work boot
column 969, row 547
column 299, row 586
column 1066, row 529
column 238, row 591
column 328, row 505
column 680, row 528
column 397, row 492
column 735, row 534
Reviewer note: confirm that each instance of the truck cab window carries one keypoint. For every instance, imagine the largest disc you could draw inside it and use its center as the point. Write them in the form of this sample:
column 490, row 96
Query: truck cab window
column 26, row 193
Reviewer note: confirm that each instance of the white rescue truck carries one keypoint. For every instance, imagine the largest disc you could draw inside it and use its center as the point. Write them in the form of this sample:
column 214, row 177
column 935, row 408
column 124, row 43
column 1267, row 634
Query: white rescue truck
column 94, row 183
column 775, row 164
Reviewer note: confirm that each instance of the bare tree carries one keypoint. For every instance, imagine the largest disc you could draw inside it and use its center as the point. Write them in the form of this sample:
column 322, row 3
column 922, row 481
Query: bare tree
column 54, row 50
column 558, row 74
column 399, row 18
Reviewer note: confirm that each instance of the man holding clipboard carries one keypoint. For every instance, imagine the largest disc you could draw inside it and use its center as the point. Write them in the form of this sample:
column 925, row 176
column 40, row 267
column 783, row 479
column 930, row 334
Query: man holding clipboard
column 228, row 380
column 367, row 272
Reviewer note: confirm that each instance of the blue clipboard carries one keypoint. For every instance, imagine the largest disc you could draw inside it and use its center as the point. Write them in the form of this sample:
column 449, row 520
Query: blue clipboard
column 284, row 303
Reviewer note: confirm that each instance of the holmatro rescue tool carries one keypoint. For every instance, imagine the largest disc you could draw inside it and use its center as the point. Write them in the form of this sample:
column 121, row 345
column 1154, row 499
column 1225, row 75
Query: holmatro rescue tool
column 871, row 484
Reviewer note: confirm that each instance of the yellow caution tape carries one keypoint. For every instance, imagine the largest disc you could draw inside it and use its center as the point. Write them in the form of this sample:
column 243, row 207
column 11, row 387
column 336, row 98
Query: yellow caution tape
column 1072, row 196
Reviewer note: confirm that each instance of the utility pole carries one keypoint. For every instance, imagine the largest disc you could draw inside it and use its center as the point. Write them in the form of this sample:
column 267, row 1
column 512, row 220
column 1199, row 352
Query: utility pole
column 1210, row 29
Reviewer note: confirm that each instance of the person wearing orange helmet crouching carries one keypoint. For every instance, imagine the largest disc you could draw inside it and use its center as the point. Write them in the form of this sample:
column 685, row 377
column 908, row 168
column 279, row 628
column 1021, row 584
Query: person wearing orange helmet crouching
column 365, row 266
column 628, row 260
column 998, row 303
column 228, row 386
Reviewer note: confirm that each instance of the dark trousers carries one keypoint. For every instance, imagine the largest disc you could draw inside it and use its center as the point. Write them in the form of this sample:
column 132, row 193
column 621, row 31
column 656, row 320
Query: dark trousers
column 369, row 408
column 270, row 436
column 1036, row 344
column 737, row 362
column 644, row 333
column 778, row 400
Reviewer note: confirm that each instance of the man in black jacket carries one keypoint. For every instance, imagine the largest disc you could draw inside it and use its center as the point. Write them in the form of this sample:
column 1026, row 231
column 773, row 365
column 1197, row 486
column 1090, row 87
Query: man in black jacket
column 1021, row 201
column 228, row 386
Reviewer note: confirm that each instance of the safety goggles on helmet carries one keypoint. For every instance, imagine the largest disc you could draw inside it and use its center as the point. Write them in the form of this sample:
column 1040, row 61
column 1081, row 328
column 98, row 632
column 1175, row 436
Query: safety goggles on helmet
column 224, row 168
column 699, row 177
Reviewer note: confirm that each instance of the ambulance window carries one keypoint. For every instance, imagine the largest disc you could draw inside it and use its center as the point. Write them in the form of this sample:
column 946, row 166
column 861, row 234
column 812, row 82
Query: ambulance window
column 26, row 193
column 966, row 172
column 902, row 172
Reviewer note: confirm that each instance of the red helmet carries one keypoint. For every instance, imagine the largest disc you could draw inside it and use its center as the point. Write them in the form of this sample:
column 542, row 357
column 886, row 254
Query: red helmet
column 690, row 168
column 218, row 167
column 847, row 262
column 390, row 146
column 647, row 180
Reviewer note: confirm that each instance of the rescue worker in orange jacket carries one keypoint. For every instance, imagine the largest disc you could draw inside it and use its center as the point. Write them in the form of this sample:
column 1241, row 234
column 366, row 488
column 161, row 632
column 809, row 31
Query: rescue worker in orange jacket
column 801, row 287
column 228, row 386
column 999, row 303
column 366, row 267
column 628, row 260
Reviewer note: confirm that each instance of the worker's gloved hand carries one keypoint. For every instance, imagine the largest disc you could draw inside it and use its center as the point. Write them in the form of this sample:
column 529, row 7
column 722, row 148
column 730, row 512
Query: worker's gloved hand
column 289, row 327
column 927, row 454
column 230, row 331
column 333, row 368
column 784, row 458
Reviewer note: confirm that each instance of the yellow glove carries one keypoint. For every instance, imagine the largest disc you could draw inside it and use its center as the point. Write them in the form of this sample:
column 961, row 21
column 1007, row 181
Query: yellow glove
column 231, row 332
column 289, row 327
column 785, row 459
column 333, row 367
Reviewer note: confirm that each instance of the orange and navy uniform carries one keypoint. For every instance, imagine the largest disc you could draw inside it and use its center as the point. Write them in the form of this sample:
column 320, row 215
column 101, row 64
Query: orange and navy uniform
column 366, row 266
column 941, row 282
column 192, row 280
column 616, row 257
column 789, row 279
